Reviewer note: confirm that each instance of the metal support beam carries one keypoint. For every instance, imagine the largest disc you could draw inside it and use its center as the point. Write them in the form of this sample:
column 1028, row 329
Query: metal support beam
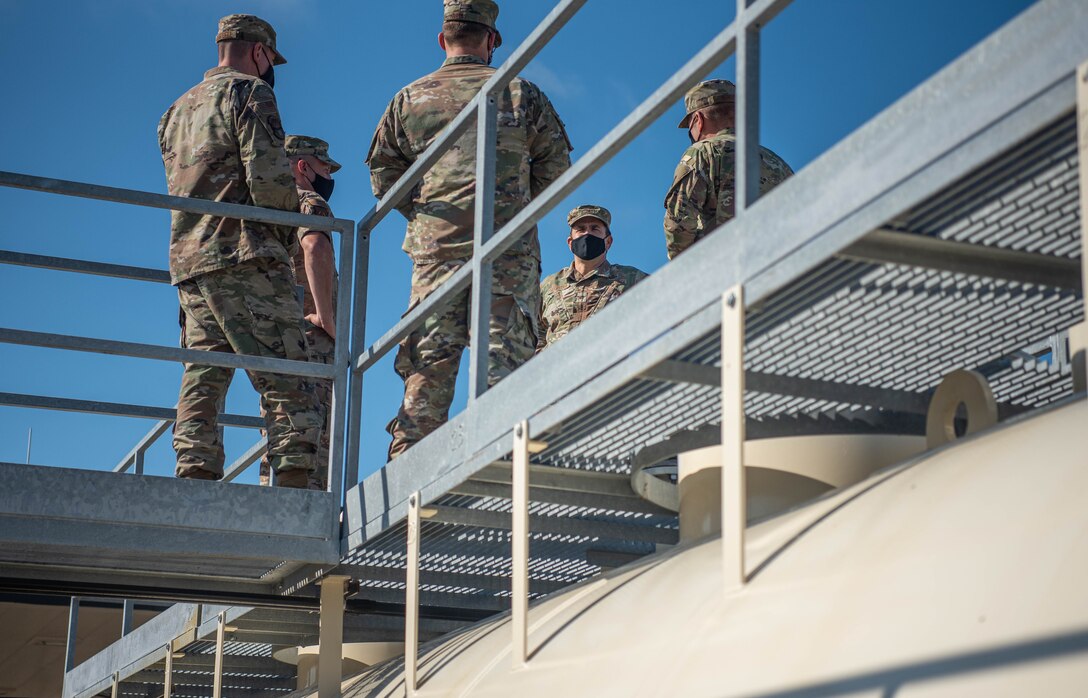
column 128, row 609
column 330, row 662
column 357, row 342
column 411, row 599
column 1078, row 334
column 480, row 319
column 519, row 543
column 168, row 671
column 563, row 525
column 73, row 628
column 734, row 505
column 220, row 631
column 115, row 686
column 886, row 246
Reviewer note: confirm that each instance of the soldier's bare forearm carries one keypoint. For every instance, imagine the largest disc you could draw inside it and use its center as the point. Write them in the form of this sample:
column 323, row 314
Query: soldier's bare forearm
column 321, row 274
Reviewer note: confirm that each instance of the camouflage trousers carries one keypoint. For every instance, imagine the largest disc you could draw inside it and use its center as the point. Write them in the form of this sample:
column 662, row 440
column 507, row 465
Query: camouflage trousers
column 429, row 358
column 322, row 349
column 249, row 308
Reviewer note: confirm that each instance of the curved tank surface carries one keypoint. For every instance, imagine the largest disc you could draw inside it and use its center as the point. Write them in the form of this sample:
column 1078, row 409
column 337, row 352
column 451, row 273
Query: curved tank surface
column 960, row 572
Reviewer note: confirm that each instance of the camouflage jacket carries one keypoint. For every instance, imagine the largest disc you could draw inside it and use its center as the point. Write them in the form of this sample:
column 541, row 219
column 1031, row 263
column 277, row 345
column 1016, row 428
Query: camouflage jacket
column 533, row 151
column 310, row 203
column 567, row 300
column 701, row 196
column 222, row 140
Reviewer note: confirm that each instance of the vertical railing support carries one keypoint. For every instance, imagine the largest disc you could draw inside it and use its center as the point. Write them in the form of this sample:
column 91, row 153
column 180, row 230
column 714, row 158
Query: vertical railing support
column 1078, row 334
column 341, row 359
column 747, row 111
column 480, row 320
column 138, row 461
column 220, row 631
column 70, row 644
column 357, row 342
column 115, row 685
column 128, row 610
column 168, row 671
column 734, row 502
column 330, row 658
column 519, row 544
column 411, row 598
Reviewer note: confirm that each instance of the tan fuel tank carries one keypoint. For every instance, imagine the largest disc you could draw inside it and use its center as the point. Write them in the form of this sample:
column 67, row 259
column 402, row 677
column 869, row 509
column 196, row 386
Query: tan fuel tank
column 963, row 572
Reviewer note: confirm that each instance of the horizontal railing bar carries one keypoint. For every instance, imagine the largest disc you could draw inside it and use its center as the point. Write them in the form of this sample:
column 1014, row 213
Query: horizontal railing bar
column 251, row 456
column 895, row 247
column 186, row 204
column 153, row 351
column 374, row 573
column 498, row 81
column 116, row 409
column 81, row 266
column 652, row 108
column 143, row 444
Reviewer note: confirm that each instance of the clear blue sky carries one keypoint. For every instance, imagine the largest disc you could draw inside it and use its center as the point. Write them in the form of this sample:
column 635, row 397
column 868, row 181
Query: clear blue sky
column 86, row 81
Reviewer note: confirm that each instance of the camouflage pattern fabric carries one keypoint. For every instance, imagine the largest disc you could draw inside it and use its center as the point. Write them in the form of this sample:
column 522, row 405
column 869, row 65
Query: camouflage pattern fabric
column 429, row 358
column 249, row 28
column 702, row 194
column 222, row 140
column 568, row 300
column 320, row 347
column 532, row 152
column 247, row 309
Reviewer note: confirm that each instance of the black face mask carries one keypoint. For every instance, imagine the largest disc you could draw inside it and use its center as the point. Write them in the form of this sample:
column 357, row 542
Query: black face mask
column 691, row 137
column 323, row 186
column 269, row 76
column 587, row 247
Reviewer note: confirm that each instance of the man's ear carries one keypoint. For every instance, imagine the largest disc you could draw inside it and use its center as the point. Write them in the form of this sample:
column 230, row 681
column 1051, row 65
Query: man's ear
column 608, row 241
column 442, row 40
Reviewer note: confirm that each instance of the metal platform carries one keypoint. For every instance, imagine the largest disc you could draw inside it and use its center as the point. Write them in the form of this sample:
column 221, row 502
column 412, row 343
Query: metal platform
column 944, row 234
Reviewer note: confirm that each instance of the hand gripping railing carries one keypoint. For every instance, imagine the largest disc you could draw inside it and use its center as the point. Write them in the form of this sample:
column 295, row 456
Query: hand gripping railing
column 337, row 372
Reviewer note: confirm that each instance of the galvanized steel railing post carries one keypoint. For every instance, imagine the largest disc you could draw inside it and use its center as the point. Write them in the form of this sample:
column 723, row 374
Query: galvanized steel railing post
column 217, row 679
column 115, row 685
column 341, row 361
column 357, row 343
column 519, row 545
column 734, row 513
column 480, row 321
column 411, row 598
column 73, row 628
column 1078, row 334
column 747, row 109
column 128, row 609
column 168, row 671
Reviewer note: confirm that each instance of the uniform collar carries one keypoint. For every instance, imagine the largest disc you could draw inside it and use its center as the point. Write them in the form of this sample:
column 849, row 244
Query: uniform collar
column 604, row 271
column 462, row 60
column 223, row 70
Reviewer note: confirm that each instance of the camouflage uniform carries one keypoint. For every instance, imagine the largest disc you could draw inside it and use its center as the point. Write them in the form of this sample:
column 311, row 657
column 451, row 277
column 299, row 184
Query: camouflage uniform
column 222, row 140
column 321, row 348
column 568, row 299
column 701, row 197
column 532, row 152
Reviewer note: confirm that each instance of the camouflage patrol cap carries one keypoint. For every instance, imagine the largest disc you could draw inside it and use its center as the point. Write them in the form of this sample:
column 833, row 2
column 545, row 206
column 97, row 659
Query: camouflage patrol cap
column 297, row 146
column 587, row 210
column 484, row 12
column 705, row 94
column 249, row 28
